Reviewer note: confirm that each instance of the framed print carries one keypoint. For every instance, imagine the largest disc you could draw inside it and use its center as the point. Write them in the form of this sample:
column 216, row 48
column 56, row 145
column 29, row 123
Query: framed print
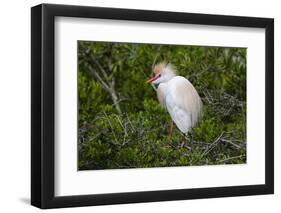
column 139, row 106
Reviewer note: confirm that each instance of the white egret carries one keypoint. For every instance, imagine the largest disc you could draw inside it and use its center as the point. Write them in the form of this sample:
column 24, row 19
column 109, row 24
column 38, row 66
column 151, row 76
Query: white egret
column 178, row 96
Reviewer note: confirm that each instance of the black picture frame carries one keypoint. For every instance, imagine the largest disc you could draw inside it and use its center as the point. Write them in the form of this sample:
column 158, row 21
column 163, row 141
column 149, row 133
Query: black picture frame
column 43, row 102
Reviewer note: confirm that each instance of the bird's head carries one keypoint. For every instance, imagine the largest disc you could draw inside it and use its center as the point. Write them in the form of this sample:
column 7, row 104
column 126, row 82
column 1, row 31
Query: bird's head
column 162, row 73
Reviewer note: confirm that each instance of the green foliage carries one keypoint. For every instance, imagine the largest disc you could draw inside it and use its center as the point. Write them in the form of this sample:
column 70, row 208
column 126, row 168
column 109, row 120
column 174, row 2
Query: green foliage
column 113, row 75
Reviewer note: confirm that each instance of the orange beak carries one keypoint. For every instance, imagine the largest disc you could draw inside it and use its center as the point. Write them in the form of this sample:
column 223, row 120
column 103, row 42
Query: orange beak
column 152, row 79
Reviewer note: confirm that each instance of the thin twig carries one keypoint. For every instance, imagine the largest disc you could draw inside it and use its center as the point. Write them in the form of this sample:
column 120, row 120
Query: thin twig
column 104, row 84
column 100, row 68
column 107, row 83
column 231, row 158
column 212, row 145
column 112, row 129
column 130, row 123
column 125, row 129
column 230, row 142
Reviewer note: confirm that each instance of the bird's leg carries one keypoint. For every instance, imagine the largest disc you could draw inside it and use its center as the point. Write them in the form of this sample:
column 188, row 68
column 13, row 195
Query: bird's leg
column 170, row 132
column 187, row 139
column 190, row 136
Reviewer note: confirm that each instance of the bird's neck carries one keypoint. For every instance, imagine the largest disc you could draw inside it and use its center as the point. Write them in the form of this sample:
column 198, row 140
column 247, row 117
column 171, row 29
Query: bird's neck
column 170, row 76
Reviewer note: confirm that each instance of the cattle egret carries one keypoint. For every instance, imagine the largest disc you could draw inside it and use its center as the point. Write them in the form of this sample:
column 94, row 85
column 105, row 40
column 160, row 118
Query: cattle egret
column 178, row 96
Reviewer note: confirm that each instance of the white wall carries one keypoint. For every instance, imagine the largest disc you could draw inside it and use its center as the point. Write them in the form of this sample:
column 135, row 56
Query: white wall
column 15, row 105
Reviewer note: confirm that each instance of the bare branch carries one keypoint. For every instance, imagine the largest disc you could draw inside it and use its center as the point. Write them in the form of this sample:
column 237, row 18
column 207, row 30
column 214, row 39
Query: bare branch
column 100, row 79
column 124, row 128
column 212, row 145
column 231, row 158
column 113, row 82
column 230, row 142
column 105, row 75
column 110, row 124
column 109, row 86
column 130, row 122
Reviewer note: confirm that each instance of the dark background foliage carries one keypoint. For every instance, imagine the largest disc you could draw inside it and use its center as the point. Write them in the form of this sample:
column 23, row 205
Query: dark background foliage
column 121, row 124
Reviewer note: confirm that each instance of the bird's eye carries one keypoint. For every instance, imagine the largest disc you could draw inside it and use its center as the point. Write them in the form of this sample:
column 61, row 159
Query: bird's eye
column 159, row 75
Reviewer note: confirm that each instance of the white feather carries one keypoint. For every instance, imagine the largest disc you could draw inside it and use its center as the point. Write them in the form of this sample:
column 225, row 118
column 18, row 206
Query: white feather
column 182, row 102
column 179, row 115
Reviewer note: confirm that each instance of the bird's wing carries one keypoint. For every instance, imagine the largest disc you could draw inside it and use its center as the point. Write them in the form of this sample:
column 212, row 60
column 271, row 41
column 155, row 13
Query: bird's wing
column 180, row 116
column 183, row 104
column 186, row 98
